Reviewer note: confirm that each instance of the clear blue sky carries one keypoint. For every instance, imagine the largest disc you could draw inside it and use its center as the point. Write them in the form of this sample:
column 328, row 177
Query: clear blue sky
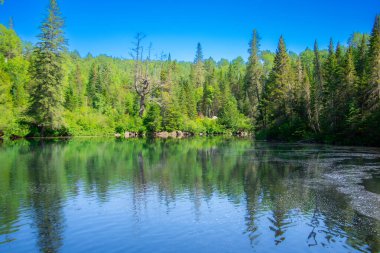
column 223, row 27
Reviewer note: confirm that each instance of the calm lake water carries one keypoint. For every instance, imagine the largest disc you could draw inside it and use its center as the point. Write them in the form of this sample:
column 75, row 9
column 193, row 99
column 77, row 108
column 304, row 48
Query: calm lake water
column 192, row 195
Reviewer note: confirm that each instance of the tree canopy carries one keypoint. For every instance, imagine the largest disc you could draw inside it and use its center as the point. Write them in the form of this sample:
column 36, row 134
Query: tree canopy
column 329, row 95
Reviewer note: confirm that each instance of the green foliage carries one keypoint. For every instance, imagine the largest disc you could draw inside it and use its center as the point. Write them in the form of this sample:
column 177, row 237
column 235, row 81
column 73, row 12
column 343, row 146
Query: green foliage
column 10, row 43
column 210, row 126
column 327, row 95
column 171, row 116
column 373, row 68
column 253, row 80
column 231, row 119
column 47, row 73
column 87, row 122
column 277, row 91
column 152, row 120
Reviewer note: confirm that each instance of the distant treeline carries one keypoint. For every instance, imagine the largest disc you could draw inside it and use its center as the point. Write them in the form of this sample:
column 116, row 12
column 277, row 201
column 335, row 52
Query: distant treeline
column 328, row 95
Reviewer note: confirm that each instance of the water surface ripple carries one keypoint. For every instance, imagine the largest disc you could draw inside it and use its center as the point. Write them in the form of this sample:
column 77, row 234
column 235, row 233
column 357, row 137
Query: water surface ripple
column 193, row 195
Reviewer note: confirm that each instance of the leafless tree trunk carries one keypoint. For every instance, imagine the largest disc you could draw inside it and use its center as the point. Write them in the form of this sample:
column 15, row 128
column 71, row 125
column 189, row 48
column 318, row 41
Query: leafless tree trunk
column 144, row 82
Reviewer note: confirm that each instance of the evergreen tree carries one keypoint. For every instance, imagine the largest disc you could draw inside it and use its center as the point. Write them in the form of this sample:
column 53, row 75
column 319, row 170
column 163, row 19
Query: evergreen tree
column 153, row 119
column 374, row 66
column 235, row 77
column 307, row 98
column 211, row 91
column 93, row 81
column 198, row 71
column 330, row 77
column 361, row 57
column 199, row 54
column 301, row 95
column 187, row 99
column 279, row 87
column 6, row 105
column 171, row 114
column 74, row 91
column 351, row 110
column 10, row 43
column 346, row 81
column 47, row 72
column 253, row 79
column 317, row 89
column 350, row 77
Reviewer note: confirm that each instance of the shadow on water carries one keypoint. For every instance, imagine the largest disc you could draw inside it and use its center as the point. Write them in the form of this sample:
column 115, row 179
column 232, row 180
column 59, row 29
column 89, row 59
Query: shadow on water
column 372, row 184
column 154, row 189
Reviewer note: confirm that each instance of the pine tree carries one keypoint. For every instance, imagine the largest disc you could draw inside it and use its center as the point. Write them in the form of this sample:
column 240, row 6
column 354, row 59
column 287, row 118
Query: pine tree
column 361, row 57
column 74, row 91
column 10, row 43
column 330, row 77
column 279, row 86
column 93, row 81
column 317, row 89
column 235, row 77
column 47, row 94
column 307, row 97
column 301, row 95
column 199, row 54
column 345, row 85
column 350, row 77
column 339, row 54
column 209, row 90
column 198, row 71
column 153, row 119
column 187, row 99
column 253, row 79
column 373, row 66
column 6, row 105
column 351, row 110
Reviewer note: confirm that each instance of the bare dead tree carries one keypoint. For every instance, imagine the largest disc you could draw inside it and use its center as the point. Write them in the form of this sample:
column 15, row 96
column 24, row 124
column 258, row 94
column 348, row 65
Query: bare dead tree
column 145, row 81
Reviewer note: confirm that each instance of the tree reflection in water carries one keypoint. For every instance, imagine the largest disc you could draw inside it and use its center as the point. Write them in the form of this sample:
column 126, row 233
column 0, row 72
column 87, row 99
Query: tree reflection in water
column 268, row 181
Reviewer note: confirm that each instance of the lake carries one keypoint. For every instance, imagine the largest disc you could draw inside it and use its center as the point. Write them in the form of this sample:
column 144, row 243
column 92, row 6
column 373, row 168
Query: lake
column 193, row 195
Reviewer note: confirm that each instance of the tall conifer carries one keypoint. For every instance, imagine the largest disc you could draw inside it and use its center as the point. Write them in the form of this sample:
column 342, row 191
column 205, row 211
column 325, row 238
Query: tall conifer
column 47, row 72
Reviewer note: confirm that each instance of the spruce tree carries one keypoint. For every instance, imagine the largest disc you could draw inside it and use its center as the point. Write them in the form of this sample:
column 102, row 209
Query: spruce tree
column 199, row 54
column 349, row 91
column 93, row 81
column 279, row 86
column 373, row 66
column 302, row 96
column 253, row 79
column 317, row 89
column 187, row 99
column 197, row 74
column 47, row 94
column 361, row 57
column 10, row 43
column 350, row 77
column 330, row 77
column 345, row 82
column 307, row 98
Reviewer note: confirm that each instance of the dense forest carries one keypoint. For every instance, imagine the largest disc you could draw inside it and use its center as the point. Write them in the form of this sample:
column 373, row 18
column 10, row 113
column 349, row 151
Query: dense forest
column 326, row 95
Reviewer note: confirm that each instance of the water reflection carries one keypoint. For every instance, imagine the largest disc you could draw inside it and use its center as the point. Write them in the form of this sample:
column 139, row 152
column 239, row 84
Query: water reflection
column 221, row 194
column 46, row 193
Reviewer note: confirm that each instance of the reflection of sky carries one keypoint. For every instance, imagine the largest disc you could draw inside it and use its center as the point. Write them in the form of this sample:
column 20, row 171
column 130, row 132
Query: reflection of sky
column 223, row 27
column 148, row 223
column 242, row 196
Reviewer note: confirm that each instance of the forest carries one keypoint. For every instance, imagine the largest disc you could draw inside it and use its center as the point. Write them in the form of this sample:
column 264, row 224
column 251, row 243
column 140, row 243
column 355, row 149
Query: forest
column 319, row 95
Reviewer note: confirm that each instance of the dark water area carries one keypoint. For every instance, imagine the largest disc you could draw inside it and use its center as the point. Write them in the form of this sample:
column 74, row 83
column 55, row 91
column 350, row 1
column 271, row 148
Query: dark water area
column 192, row 195
column 372, row 184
